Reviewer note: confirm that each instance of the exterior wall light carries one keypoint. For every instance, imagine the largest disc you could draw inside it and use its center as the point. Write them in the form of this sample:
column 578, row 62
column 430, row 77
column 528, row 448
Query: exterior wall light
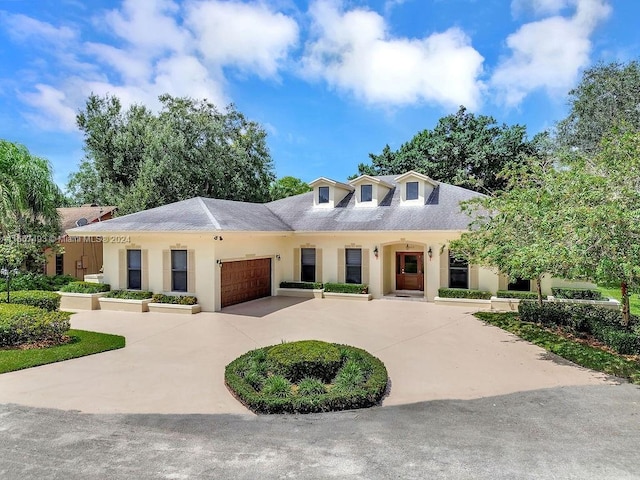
column 278, row 256
column 375, row 251
column 430, row 253
column 219, row 262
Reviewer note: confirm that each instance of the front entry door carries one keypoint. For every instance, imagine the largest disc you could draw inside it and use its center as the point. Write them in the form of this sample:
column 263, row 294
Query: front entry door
column 409, row 271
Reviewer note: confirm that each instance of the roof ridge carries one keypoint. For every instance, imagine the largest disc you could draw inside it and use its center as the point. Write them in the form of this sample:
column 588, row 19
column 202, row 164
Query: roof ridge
column 213, row 220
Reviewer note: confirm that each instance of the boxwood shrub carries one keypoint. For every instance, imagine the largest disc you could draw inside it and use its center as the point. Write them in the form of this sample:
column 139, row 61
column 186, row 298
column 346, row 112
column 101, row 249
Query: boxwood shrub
column 20, row 324
column 517, row 294
column 39, row 281
column 464, row 293
column 346, row 288
column 174, row 299
column 36, row 298
column 129, row 294
column 577, row 293
column 304, row 285
column 85, row 287
column 360, row 381
column 309, row 358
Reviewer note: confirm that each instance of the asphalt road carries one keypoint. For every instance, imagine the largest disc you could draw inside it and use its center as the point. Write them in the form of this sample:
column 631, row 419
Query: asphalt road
column 587, row 432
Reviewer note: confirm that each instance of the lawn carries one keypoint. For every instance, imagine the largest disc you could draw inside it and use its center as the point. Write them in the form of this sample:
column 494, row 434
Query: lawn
column 578, row 353
column 634, row 300
column 84, row 343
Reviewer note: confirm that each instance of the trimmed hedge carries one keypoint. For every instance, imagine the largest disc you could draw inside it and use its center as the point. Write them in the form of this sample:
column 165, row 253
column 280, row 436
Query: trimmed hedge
column 464, row 293
column 174, row 299
column 309, row 358
column 85, row 287
column 39, row 281
column 602, row 323
column 577, row 293
column 517, row 294
column 252, row 379
column 346, row 288
column 21, row 325
column 36, row 298
column 129, row 294
column 303, row 285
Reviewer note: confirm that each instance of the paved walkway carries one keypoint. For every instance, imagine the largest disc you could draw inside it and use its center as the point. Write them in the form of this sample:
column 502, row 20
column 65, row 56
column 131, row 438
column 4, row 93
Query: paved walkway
column 175, row 364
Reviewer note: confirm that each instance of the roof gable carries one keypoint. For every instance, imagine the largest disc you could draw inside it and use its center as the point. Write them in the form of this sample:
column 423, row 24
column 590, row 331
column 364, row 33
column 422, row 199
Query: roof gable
column 413, row 175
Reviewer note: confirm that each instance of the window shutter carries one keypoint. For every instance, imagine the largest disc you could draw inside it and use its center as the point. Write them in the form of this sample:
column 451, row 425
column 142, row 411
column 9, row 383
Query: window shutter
column 191, row 271
column 319, row 265
column 474, row 277
column 296, row 265
column 341, row 265
column 444, row 268
column 166, row 270
column 145, row 269
column 122, row 268
column 365, row 266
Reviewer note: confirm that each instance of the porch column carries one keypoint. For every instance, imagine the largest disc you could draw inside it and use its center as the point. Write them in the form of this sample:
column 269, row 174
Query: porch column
column 432, row 271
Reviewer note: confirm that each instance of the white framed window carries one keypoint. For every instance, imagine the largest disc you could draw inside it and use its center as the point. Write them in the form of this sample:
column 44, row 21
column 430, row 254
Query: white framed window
column 179, row 270
column 412, row 191
column 323, row 194
column 308, row 264
column 366, row 193
column 134, row 269
column 353, row 265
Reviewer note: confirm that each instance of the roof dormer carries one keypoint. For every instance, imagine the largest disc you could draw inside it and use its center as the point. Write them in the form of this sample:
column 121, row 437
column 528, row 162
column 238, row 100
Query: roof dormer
column 415, row 188
column 370, row 191
column 328, row 193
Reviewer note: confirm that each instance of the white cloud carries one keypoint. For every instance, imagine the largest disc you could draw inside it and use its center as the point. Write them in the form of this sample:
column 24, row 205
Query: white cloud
column 354, row 52
column 246, row 35
column 549, row 53
column 539, row 7
column 23, row 28
column 53, row 109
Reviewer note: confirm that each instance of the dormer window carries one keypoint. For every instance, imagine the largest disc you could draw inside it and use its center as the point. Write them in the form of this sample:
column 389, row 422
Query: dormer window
column 412, row 191
column 323, row 195
column 366, row 193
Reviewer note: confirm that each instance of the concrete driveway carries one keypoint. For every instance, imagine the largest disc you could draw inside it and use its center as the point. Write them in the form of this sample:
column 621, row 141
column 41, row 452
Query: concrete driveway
column 174, row 364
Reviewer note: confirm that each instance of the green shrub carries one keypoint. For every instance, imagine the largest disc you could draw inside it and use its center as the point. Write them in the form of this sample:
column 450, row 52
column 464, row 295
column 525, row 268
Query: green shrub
column 346, row 288
column 311, row 394
column 349, row 376
column 39, row 281
column 36, row 298
column 464, row 293
column 517, row 294
column 304, row 285
column 277, row 386
column 622, row 341
column 174, row 299
column 8, row 310
column 129, row 294
column 33, row 327
column 85, row 287
column 577, row 293
column 311, row 386
column 309, row 358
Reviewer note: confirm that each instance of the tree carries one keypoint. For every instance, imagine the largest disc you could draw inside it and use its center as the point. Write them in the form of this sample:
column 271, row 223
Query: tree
column 607, row 95
column 520, row 231
column 28, row 194
column 463, row 149
column 137, row 159
column 287, row 187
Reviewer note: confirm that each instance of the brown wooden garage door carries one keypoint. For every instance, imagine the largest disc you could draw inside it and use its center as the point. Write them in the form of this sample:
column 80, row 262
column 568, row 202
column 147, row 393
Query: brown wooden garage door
column 245, row 280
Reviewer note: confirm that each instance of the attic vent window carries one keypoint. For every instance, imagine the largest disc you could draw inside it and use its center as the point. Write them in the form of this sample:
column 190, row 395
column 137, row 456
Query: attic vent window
column 323, row 195
column 412, row 190
column 366, row 193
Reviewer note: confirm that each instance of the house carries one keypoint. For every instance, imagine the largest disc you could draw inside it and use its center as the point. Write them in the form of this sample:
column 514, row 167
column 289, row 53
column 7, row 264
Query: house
column 389, row 232
column 82, row 255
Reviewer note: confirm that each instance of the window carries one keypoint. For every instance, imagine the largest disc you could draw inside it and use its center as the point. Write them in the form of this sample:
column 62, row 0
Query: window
column 353, row 265
column 366, row 193
column 134, row 269
column 458, row 273
column 412, row 190
column 178, row 270
column 323, row 194
column 308, row 273
column 59, row 264
column 520, row 285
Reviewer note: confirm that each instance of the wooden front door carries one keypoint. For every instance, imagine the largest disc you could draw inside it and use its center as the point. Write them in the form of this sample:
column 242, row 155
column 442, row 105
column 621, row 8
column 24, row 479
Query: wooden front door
column 409, row 271
column 245, row 280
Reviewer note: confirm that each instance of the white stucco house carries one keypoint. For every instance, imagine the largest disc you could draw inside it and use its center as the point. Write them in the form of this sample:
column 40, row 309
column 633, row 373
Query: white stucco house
column 389, row 232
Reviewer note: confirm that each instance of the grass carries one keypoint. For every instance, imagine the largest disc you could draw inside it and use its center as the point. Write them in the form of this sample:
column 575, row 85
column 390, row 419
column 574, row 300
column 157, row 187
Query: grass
column 576, row 352
column 83, row 343
column 634, row 299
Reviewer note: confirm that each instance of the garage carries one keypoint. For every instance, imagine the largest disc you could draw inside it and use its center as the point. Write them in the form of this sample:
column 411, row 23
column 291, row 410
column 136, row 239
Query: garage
column 245, row 280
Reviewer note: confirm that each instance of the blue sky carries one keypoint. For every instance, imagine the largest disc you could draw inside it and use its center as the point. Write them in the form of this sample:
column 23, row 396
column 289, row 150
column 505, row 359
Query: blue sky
column 330, row 80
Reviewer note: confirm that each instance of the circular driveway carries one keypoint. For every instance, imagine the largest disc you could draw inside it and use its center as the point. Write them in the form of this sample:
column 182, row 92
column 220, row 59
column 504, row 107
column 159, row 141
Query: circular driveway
column 174, row 364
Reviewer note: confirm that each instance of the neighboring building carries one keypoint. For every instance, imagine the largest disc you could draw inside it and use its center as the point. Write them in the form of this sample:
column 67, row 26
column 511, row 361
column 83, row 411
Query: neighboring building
column 82, row 255
column 390, row 232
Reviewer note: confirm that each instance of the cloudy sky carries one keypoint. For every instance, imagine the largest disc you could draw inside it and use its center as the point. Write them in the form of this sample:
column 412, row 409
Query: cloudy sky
column 330, row 80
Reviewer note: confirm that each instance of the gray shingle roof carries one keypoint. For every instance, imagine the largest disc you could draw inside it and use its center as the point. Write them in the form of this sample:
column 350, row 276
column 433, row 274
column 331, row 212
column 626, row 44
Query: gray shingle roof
column 440, row 212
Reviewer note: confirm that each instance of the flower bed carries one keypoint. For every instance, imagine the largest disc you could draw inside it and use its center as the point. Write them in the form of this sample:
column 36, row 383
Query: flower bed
column 82, row 295
column 161, row 303
column 126, row 301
